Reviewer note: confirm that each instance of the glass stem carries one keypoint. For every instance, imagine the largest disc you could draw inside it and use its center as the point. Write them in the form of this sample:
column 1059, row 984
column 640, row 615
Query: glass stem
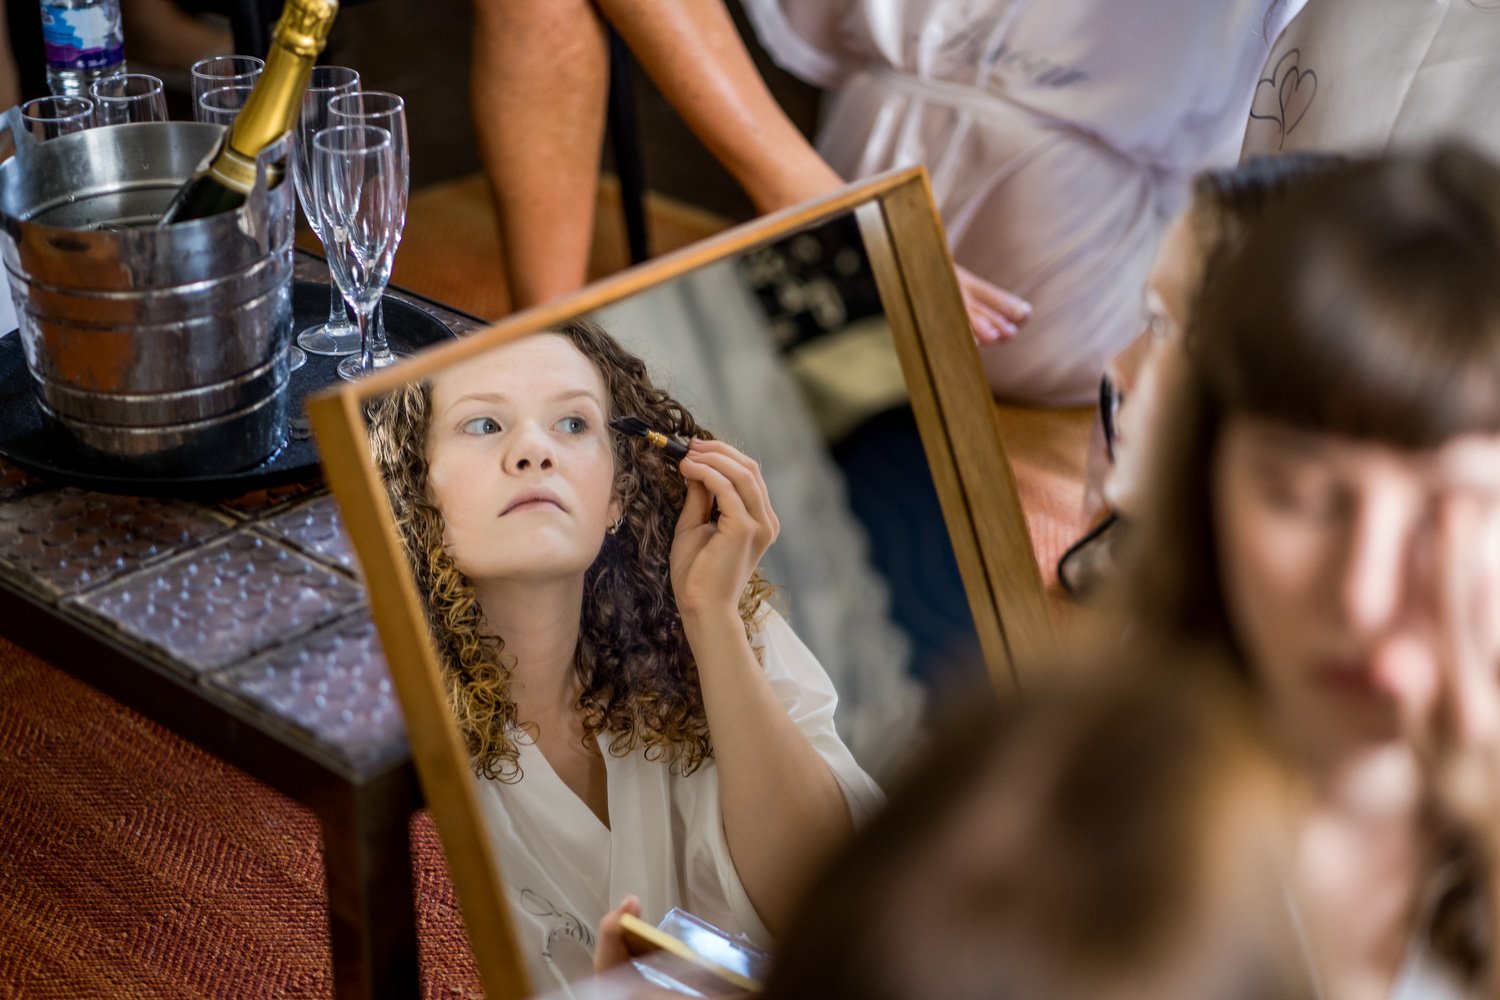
column 337, row 317
column 366, row 341
column 379, row 351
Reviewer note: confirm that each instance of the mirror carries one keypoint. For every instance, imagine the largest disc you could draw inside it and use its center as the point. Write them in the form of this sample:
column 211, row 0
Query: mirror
column 830, row 344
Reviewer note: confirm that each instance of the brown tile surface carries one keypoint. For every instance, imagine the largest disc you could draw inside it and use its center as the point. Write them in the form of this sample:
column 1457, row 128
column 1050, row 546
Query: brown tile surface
column 70, row 539
column 333, row 685
column 225, row 602
column 14, row 479
column 316, row 528
column 258, row 502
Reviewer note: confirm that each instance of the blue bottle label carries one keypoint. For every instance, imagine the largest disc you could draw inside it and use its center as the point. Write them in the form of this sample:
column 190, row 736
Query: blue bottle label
column 82, row 38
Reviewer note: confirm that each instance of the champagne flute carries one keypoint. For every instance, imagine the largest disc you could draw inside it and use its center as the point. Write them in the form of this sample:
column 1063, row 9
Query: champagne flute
column 222, row 105
column 387, row 111
column 129, row 97
column 49, row 117
column 356, row 194
column 337, row 336
column 217, row 72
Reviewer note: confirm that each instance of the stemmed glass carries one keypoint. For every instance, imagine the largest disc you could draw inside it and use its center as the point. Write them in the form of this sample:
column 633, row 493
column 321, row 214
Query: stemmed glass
column 49, row 117
column 223, row 71
column 356, row 193
column 222, row 105
column 129, row 97
column 337, row 336
column 388, row 111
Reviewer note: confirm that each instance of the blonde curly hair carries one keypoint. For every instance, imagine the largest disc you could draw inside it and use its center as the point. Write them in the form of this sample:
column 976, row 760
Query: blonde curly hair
column 638, row 674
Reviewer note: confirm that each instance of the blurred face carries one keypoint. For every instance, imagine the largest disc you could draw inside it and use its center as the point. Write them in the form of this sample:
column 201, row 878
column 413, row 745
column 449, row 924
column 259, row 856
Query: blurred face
column 520, row 461
column 1338, row 572
column 1142, row 371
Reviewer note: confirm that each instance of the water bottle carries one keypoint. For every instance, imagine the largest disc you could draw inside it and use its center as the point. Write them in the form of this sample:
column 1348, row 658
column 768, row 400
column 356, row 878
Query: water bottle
column 84, row 43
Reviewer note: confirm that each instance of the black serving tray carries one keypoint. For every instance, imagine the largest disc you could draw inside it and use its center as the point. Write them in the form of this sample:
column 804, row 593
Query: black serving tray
column 35, row 444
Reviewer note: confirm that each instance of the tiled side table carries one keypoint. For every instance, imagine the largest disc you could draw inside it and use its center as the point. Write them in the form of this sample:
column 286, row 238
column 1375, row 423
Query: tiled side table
column 241, row 625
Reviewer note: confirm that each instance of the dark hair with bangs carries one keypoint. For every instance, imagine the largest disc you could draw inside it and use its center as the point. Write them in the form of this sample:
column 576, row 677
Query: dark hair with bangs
column 1366, row 304
column 1227, row 202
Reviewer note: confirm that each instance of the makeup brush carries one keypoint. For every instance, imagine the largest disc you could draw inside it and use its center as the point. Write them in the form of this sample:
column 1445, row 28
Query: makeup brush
column 636, row 427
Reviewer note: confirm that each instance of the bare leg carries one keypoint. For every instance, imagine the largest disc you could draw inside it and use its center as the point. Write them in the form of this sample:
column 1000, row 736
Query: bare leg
column 696, row 58
column 10, row 78
column 539, row 83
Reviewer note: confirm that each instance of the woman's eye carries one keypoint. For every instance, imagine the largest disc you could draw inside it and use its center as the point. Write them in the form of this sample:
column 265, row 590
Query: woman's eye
column 480, row 425
column 1316, row 499
column 572, row 425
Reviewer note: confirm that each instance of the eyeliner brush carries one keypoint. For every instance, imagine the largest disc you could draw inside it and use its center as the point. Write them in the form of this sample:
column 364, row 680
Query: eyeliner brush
column 636, row 427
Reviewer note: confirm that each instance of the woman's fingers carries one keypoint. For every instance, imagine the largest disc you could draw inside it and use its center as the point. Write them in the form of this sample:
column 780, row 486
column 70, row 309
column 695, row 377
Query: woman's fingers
column 696, row 507
column 1465, row 617
column 989, row 326
column 995, row 314
column 611, row 950
column 1007, row 304
column 708, row 446
column 713, row 560
column 732, row 510
column 1466, row 728
column 745, row 477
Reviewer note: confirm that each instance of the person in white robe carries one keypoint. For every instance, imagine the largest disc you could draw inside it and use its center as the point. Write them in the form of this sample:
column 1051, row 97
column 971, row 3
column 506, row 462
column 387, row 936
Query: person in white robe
column 1367, row 76
column 1060, row 136
column 540, row 80
column 645, row 730
column 665, row 842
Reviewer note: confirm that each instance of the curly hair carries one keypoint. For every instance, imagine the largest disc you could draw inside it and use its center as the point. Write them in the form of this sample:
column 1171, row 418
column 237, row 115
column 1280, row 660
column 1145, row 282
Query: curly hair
column 637, row 672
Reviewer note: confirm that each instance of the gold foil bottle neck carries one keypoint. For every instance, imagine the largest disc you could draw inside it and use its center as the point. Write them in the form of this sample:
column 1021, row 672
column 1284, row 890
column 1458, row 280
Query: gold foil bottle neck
column 304, row 26
column 275, row 104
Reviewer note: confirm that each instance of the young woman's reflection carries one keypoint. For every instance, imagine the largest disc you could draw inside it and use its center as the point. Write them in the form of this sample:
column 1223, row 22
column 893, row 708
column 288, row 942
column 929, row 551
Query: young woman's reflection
column 643, row 724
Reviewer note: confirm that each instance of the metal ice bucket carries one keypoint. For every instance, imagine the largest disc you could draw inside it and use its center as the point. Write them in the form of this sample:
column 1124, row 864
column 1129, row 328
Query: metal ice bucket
column 161, row 351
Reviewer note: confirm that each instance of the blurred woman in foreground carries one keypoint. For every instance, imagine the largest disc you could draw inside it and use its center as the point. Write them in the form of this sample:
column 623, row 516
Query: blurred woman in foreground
column 1326, row 511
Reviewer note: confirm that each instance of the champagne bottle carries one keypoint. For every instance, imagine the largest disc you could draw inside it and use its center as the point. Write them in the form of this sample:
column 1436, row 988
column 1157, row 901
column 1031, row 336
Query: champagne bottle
column 270, row 112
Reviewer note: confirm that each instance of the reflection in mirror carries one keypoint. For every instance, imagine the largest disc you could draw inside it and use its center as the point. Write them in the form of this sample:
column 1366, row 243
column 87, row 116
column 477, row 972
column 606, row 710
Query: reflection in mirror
column 785, row 350
column 613, row 687
column 640, row 720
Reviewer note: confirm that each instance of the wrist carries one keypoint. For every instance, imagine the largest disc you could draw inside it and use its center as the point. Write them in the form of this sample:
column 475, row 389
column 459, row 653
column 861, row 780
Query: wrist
column 788, row 180
column 716, row 619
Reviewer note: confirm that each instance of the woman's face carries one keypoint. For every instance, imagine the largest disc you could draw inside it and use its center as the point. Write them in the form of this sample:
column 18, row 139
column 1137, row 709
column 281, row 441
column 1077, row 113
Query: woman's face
column 520, row 461
column 1333, row 565
column 1142, row 371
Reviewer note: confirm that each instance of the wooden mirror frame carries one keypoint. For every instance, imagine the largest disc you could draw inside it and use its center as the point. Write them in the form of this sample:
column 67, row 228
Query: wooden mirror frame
column 955, row 417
